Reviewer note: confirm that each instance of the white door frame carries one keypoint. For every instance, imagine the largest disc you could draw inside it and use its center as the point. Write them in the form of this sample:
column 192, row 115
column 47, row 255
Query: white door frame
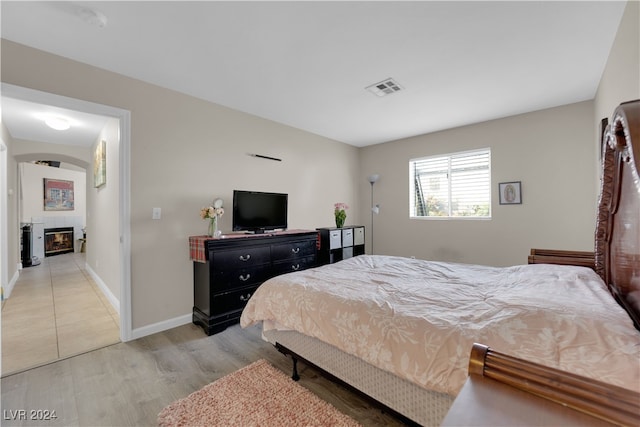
column 124, row 117
column 4, row 247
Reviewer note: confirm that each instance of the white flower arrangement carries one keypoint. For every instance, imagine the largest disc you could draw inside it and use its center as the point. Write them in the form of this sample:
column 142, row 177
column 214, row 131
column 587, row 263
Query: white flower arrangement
column 212, row 211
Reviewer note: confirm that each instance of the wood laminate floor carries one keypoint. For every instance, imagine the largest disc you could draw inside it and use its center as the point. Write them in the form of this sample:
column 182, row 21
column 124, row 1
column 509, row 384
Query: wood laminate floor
column 55, row 310
column 127, row 384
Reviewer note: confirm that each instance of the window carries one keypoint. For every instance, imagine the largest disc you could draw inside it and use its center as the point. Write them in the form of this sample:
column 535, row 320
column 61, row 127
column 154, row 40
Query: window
column 451, row 186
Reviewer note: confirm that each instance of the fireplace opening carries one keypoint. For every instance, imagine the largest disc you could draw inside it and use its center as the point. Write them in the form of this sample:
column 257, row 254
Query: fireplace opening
column 58, row 241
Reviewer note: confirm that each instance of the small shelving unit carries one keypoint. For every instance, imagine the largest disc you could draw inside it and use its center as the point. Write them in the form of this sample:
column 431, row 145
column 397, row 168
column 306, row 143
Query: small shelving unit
column 337, row 244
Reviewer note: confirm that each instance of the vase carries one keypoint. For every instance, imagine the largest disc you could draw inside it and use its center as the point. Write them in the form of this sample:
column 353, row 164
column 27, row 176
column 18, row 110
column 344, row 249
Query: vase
column 213, row 227
column 216, row 232
column 340, row 221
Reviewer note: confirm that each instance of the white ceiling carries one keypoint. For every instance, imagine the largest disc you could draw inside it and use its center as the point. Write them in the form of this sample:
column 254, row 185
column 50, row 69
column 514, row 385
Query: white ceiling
column 306, row 64
column 24, row 120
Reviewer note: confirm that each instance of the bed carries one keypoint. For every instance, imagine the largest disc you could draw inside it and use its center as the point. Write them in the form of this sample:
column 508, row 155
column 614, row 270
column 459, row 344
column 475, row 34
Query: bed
column 399, row 330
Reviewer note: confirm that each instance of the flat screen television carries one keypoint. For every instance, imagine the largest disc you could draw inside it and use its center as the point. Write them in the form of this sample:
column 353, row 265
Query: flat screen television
column 258, row 212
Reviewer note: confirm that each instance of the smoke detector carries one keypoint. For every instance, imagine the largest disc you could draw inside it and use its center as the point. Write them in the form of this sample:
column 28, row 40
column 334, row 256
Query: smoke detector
column 385, row 87
column 92, row 17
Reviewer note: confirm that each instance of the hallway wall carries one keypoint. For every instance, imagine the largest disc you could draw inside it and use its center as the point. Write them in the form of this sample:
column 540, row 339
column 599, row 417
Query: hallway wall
column 103, row 225
column 13, row 236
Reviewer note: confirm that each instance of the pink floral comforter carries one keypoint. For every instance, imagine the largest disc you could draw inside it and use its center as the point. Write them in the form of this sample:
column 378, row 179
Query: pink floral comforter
column 418, row 319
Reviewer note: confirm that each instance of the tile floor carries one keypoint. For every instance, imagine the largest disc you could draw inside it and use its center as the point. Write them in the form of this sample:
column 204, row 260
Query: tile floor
column 55, row 311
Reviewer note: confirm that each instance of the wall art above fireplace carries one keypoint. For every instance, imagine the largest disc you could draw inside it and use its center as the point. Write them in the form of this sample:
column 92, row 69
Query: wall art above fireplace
column 58, row 195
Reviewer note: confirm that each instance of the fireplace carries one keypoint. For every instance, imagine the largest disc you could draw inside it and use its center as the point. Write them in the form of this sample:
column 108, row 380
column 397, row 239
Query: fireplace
column 58, row 241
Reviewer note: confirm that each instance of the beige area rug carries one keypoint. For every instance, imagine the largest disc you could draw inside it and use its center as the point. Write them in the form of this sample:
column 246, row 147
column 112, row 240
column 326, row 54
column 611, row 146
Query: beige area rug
column 256, row 395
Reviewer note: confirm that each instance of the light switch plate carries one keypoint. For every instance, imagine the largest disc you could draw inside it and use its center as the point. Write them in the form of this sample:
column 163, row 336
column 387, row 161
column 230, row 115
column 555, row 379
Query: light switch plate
column 157, row 213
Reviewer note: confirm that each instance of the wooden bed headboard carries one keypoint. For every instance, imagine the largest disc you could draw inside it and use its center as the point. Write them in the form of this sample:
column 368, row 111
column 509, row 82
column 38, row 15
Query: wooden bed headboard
column 617, row 237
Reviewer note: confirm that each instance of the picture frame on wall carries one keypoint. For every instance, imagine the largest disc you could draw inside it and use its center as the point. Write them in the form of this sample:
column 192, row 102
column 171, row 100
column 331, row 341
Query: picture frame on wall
column 58, row 195
column 510, row 193
column 100, row 164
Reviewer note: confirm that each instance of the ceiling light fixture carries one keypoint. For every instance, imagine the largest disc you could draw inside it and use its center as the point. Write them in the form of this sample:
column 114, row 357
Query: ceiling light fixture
column 57, row 122
column 385, row 87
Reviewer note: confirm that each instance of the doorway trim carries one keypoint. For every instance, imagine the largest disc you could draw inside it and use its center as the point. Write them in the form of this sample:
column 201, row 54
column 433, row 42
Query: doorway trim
column 124, row 214
column 4, row 213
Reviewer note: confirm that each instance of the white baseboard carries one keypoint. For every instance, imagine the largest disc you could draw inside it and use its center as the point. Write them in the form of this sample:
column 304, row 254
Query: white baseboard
column 145, row 330
column 161, row 326
column 104, row 288
column 6, row 293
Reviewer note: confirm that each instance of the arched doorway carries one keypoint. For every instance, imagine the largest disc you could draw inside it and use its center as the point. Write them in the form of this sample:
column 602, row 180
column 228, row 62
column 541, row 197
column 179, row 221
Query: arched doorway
column 121, row 185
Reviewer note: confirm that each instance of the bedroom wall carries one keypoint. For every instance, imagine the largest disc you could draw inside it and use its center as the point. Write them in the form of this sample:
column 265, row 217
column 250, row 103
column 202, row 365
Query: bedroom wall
column 185, row 152
column 621, row 78
column 545, row 149
column 550, row 151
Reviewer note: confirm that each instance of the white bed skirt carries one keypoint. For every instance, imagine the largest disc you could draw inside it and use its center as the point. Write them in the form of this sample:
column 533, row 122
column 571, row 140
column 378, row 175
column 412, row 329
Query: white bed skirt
column 425, row 407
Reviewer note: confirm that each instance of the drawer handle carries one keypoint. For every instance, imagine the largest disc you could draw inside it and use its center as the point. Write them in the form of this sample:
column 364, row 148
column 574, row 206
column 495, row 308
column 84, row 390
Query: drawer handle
column 245, row 258
column 245, row 299
column 295, row 251
column 295, row 267
column 245, row 278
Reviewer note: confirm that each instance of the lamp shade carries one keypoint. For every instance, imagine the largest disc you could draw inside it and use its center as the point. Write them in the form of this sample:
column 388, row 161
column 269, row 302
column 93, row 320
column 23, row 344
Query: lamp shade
column 373, row 178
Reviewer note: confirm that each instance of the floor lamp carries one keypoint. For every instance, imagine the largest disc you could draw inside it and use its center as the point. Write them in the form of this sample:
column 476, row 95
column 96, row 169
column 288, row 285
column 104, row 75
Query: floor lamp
column 374, row 209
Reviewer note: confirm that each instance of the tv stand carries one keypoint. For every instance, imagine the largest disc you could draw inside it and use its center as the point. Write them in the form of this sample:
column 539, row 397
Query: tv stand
column 233, row 267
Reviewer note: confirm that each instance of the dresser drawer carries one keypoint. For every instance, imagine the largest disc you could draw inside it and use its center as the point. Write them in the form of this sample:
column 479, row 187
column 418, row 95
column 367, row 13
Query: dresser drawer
column 347, row 252
column 232, row 279
column 335, row 239
column 240, row 258
column 294, row 265
column 358, row 236
column 232, row 301
column 293, row 250
column 347, row 237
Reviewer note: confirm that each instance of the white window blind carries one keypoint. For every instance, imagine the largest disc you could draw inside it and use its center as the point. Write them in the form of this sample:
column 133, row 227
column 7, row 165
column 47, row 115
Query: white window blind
column 450, row 186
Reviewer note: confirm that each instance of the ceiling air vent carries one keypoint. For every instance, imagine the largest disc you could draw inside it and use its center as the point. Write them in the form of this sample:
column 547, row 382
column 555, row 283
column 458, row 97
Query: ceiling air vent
column 384, row 88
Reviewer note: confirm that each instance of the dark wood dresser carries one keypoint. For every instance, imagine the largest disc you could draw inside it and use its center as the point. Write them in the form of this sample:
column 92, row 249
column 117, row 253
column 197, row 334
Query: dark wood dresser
column 228, row 270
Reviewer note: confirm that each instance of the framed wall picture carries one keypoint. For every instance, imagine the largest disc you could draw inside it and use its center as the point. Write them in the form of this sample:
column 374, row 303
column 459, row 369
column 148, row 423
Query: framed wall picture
column 58, row 195
column 510, row 193
column 100, row 165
